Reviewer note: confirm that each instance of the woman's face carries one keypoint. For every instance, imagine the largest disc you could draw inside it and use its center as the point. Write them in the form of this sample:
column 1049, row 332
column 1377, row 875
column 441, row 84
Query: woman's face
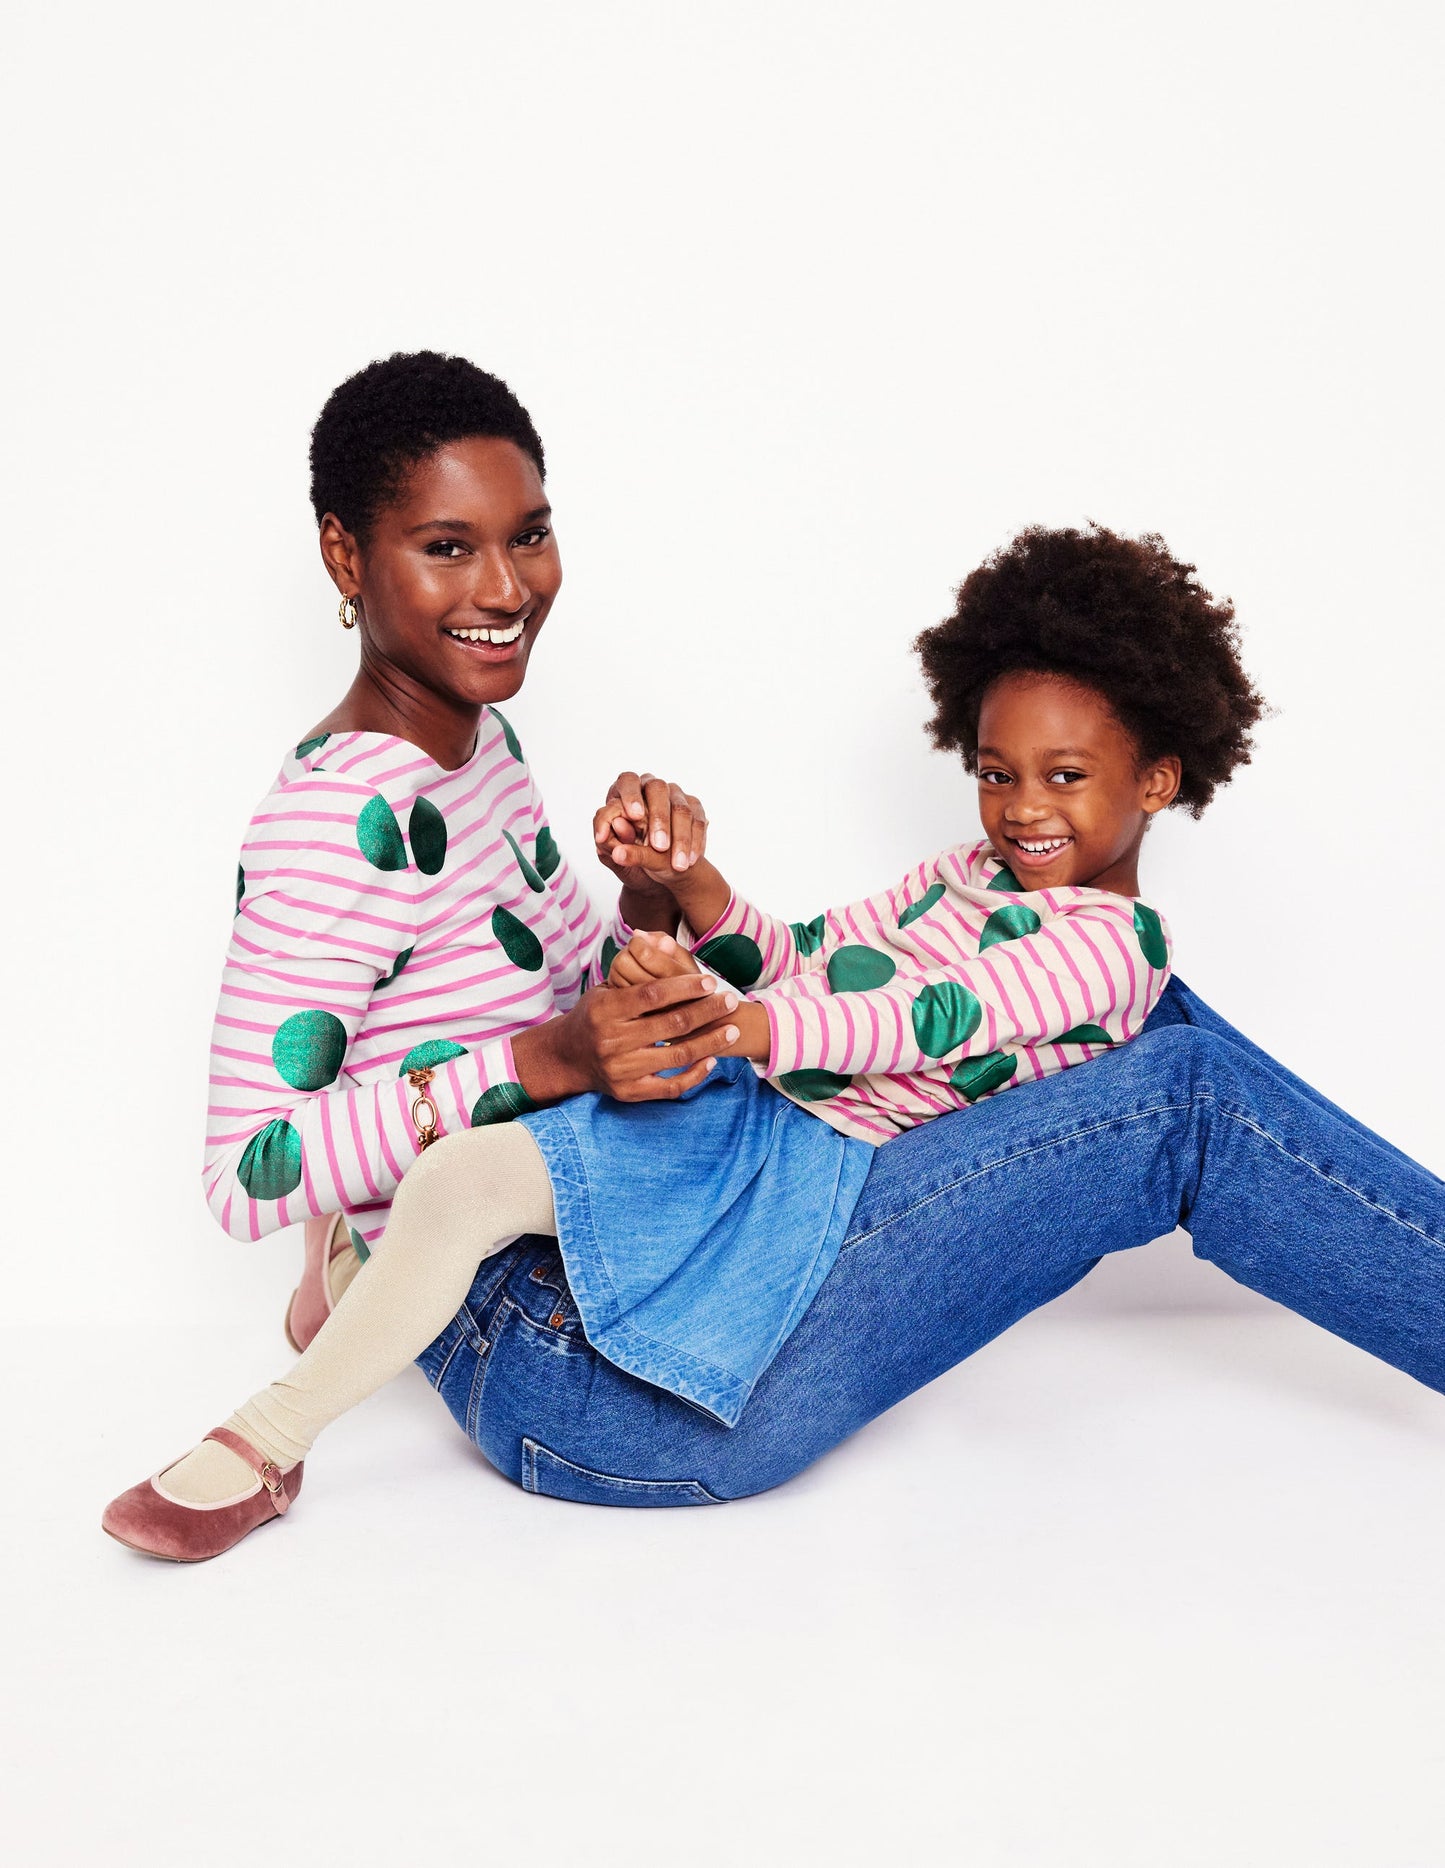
column 458, row 574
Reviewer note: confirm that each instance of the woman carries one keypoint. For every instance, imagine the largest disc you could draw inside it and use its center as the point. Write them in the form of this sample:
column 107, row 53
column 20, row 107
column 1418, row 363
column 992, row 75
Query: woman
column 434, row 527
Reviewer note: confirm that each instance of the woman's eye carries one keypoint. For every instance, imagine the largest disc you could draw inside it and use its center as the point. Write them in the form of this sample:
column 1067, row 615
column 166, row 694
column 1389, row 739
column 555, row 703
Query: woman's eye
column 534, row 537
column 444, row 548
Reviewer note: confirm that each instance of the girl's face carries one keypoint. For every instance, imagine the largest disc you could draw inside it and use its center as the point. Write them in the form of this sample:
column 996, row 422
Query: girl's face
column 1061, row 792
column 458, row 575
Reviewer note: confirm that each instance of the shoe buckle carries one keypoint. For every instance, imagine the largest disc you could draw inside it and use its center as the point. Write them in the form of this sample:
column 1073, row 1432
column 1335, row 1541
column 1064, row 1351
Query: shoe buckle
column 271, row 1477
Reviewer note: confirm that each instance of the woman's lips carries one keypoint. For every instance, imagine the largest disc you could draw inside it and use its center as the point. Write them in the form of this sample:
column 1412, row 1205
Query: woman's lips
column 478, row 641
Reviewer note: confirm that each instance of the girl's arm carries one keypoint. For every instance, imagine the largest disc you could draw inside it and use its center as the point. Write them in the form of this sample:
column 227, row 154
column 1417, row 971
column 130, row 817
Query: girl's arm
column 1089, row 976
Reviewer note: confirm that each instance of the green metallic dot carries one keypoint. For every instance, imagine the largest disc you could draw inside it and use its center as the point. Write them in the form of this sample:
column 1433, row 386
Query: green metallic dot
column 359, row 1245
column 1085, row 1034
column 1150, row 930
column 378, row 835
column 308, row 1050
column 534, row 881
column 270, row 1167
column 1011, row 922
column 859, row 969
column 240, row 886
column 514, row 745
column 427, row 829
column 977, row 1076
column 428, row 1055
column 396, row 966
column 945, row 1016
column 1006, row 882
column 517, row 941
column 926, row 900
column 814, row 1086
column 500, row 1104
column 607, row 956
column 808, row 935
column 738, row 959
column 548, row 855
column 310, row 745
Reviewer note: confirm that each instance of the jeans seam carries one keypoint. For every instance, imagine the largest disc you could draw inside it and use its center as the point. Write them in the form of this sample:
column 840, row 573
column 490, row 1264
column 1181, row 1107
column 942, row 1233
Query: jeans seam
column 1021, row 1154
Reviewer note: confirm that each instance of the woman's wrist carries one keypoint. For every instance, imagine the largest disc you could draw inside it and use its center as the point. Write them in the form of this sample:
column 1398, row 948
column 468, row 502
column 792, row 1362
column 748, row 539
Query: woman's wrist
column 544, row 1069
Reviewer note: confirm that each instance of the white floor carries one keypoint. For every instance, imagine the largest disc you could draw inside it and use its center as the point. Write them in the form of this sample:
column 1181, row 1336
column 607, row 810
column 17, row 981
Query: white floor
column 1157, row 1579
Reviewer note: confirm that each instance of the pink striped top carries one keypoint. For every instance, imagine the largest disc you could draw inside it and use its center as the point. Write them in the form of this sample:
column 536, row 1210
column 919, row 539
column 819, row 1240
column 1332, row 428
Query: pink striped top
column 942, row 990
column 390, row 914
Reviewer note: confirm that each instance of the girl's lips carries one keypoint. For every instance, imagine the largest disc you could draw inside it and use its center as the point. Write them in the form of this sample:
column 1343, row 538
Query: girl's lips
column 1036, row 859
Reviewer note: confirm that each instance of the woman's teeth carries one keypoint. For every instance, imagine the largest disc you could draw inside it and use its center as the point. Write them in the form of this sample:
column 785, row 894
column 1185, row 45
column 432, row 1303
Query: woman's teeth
column 509, row 634
column 1043, row 848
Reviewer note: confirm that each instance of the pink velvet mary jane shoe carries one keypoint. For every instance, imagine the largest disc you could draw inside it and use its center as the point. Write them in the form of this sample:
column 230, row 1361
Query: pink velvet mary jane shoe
column 148, row 1521
column 326, row 1238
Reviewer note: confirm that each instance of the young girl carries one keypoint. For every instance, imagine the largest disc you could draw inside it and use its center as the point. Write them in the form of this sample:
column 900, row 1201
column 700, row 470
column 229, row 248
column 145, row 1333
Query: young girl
column 696, row 1233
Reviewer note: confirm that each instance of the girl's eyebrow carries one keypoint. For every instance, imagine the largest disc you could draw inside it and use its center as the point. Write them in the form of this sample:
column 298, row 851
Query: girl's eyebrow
column 1053, row 752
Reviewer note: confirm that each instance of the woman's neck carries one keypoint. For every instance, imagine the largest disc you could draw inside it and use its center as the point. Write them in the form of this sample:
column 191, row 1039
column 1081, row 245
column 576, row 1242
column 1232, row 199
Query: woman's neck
column 384, row 700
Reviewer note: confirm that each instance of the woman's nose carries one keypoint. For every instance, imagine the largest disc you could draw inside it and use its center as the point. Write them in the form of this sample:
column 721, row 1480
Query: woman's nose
column 499, row 586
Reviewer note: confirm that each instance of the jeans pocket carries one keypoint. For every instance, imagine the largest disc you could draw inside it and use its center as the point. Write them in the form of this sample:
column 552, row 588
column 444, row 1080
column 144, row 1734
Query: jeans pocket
column 550, row 1476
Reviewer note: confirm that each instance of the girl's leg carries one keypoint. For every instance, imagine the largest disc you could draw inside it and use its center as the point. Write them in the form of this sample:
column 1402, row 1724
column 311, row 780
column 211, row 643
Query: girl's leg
column 461, row 1201
column 966, row 1225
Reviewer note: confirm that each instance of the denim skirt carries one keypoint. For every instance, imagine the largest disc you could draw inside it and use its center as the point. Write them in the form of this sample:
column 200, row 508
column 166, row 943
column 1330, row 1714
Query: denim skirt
column 696, row 1233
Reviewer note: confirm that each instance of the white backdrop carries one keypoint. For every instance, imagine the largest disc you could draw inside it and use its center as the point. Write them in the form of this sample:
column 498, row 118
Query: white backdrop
column 813, row 305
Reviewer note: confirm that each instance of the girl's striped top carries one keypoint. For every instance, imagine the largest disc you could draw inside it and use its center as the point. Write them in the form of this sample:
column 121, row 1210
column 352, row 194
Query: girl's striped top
column 390, row 915
column 942, row 990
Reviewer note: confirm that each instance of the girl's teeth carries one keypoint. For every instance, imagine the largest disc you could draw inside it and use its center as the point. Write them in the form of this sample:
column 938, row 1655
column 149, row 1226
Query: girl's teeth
column 509, row 634
column 1042, row 849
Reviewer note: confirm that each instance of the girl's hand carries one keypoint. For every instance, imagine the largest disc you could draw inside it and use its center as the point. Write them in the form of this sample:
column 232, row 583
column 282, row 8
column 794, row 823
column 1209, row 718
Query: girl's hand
column 649, row 833
column 651, row 956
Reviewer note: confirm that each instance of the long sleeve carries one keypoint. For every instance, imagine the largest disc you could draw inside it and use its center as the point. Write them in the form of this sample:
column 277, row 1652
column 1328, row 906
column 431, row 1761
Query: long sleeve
column 322, row 937
column 1081, row 976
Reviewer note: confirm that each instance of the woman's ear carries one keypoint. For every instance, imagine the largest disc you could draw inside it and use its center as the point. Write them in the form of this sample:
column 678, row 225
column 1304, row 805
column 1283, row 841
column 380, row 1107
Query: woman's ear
column 341, row 555
column 1161, row 784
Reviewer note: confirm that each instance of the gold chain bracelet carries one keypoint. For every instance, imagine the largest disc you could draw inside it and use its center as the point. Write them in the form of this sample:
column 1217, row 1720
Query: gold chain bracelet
column 426, row 1124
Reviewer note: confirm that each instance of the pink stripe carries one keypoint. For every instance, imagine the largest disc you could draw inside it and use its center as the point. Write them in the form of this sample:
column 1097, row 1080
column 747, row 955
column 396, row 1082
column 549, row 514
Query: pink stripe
column 323, row 1104
column 1046, row 932
column 1010, row 953
column 361, row 1161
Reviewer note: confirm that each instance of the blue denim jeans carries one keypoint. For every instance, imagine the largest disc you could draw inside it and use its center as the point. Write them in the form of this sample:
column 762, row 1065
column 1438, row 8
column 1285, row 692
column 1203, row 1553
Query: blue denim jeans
column 963, row 1227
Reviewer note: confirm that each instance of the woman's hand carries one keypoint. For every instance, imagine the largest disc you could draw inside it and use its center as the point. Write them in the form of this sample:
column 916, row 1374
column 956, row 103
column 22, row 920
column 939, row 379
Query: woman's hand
column 609, row 1041
column 649, row 832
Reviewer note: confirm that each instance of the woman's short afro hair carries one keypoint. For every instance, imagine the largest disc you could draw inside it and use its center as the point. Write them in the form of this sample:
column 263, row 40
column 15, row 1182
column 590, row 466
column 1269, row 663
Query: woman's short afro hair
column 1118, row 615
column 379, row 423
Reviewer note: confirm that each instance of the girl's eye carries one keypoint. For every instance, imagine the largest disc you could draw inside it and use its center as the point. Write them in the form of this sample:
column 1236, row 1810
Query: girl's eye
column 1065, row 778
column 444, row 548
column 535, row 537
column 994, row 778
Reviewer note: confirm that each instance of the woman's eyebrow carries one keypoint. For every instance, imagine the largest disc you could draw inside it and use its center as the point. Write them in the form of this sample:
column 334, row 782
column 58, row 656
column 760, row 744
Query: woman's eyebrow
column 464, row 525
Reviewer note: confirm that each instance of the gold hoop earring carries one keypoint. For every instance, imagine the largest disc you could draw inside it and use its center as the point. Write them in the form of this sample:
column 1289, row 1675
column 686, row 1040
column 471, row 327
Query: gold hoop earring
column 347, row 612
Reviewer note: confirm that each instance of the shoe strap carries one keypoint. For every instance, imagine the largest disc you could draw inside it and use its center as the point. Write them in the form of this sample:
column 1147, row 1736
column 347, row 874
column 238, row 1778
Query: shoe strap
column 266, row 1470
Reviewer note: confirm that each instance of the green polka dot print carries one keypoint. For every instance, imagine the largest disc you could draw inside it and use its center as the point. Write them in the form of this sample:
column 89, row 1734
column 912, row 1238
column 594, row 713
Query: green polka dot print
column 514, row 745
column 359, row 1245
column 270, row 1167
column 428, row 1055
column 1085, row 1034
column 808, row 935
column 312, row 745
column 378, row 835
column 738, row 959
column 813, row 1086
column 517, row 941
column 427, row 829
column 240, row 886
column 945, row 1016
column 1011, row 922
column 1150, row 930
column 308, row 1050
column 607, row 956
column 977, row 1076
column 396, row 966
column 500, row 1104
column 534, row 881
column 548, row 856
column 859, row 969
column 929, row 898
column 1006, row 882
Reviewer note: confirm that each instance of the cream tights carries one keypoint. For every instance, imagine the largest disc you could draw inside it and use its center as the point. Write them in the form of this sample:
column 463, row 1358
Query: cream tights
column 465, row 1198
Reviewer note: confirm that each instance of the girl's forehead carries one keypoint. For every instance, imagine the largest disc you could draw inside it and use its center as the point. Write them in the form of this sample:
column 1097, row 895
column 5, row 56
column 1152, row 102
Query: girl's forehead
column 1047, row 713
